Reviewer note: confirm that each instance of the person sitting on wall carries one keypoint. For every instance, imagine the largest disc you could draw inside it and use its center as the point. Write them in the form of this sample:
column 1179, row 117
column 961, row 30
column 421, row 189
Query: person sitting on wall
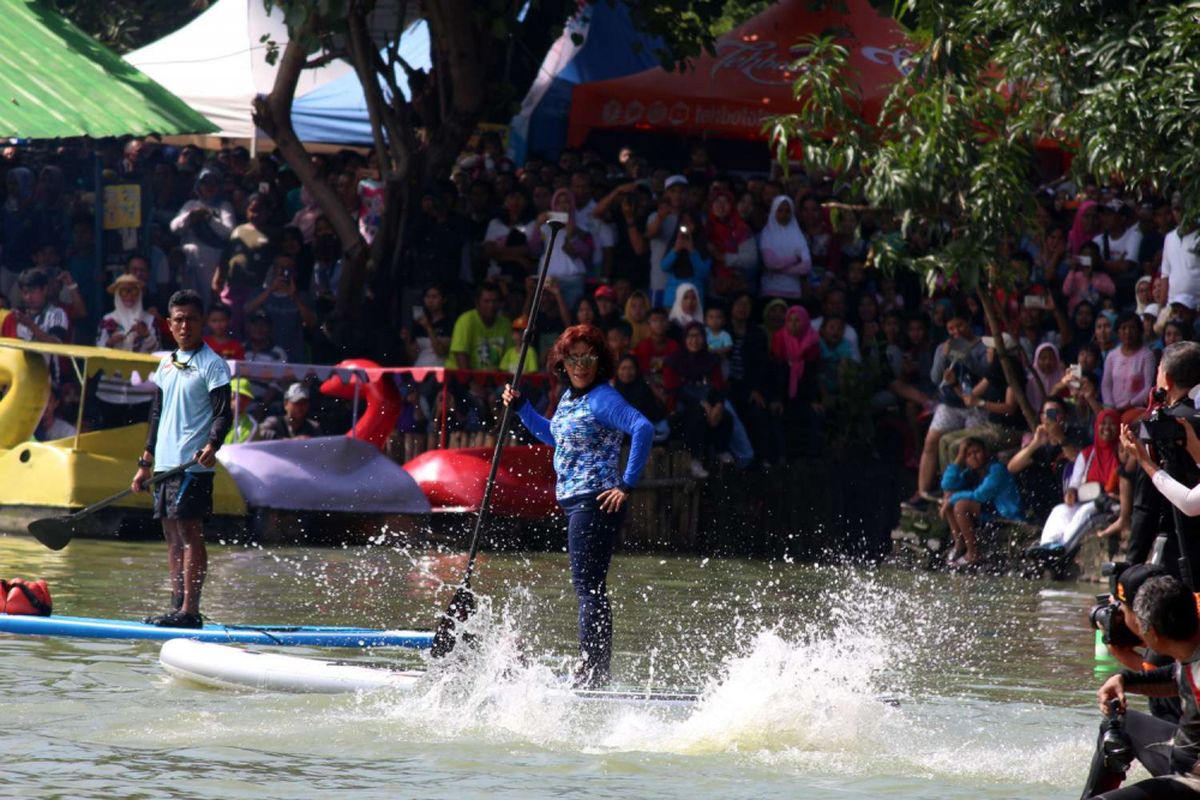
column 977, row 490
column 1098, row 464
column 1039, row 466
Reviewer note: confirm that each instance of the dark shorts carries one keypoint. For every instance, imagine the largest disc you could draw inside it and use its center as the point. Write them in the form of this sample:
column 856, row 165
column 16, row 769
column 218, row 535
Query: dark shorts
column 186, row 496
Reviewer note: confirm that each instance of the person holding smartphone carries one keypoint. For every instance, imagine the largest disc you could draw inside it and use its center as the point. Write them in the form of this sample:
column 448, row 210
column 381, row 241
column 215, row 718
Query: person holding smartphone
column 686, row 260
column 427, row 340
column 1084, row 282
column 287, row 308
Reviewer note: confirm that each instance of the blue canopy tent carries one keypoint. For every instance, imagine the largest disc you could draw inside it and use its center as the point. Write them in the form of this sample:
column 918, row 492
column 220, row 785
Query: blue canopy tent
column 608, row 47
column 337, row 111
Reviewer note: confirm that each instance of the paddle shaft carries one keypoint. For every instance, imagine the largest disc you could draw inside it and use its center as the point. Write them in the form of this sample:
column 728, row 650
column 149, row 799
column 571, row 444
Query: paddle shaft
column 108, row 501
column 485, row 505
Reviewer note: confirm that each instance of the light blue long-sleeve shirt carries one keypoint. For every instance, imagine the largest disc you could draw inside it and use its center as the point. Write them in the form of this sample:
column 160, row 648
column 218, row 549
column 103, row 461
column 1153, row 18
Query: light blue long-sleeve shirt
column 997, row 488
column 586, row 433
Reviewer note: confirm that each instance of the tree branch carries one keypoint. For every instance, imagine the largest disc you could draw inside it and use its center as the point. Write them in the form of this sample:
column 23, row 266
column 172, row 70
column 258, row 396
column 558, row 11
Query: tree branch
column 850, row 206
column 273, row 114
column 359, row 42
column 992, row 313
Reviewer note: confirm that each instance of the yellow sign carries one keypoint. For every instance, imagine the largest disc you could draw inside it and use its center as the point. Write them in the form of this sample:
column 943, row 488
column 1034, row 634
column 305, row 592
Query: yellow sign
column 122, row 206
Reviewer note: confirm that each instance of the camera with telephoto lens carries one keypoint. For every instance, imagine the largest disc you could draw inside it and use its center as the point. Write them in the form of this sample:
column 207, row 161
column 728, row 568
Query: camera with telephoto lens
column 1116, row 745
column 1161, row 428
column 1107, row 616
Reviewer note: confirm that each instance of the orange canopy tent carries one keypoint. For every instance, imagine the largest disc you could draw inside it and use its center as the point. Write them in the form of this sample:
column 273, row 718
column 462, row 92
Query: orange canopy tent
column 731, row 93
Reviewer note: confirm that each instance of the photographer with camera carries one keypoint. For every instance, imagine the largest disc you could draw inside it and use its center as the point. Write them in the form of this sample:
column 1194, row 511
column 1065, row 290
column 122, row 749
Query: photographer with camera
column 1042, row 465
column 1161, row 610
column 1090, row 490
column 1160, row 447
column 1185, row 499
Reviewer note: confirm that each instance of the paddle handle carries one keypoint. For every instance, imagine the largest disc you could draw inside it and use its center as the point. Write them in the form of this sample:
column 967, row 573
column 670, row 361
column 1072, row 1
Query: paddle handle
column 485, row 505
column 108, row 501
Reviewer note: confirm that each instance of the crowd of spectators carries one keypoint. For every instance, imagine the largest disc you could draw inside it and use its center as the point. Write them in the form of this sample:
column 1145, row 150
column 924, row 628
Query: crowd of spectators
column 744, row 311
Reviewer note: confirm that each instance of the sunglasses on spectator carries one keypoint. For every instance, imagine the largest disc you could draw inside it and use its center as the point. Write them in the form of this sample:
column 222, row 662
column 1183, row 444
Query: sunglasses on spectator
column 585, row 360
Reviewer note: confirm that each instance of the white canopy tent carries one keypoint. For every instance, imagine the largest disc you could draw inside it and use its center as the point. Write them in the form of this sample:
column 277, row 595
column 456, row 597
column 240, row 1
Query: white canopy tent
column 217, row 63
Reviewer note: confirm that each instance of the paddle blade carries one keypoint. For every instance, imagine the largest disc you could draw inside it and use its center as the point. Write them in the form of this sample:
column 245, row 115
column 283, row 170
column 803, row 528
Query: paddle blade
column 445, row 637
column 54, row 532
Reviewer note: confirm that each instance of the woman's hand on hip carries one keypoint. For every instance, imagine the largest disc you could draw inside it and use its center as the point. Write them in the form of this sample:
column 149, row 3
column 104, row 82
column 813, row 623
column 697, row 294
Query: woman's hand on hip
column 510, row 394
column 612, row 500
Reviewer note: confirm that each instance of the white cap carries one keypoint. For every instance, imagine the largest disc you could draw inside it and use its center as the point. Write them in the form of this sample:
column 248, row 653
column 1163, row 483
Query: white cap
column 295, row 393
column 1151, row 310
column 675, row 180
column 1009, row 342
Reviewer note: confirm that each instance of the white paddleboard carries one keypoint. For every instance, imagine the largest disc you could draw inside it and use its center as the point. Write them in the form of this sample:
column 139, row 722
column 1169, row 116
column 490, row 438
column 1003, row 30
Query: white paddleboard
column 224, row 667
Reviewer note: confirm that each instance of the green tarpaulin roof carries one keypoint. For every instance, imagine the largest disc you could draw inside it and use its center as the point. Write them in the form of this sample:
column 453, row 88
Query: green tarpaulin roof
column 56, row 81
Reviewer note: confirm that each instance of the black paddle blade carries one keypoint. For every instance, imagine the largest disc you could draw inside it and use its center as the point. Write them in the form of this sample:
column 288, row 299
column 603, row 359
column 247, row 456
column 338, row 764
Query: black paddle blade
column 445, row 637
column 54, row 532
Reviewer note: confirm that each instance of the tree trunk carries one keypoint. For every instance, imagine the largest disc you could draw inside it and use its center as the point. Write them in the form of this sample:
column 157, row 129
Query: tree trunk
column 424, row 137
column 273, row 114
column 1010, row 372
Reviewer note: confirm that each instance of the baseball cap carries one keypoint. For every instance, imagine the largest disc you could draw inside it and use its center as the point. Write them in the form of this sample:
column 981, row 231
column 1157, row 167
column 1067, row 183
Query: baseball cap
column 258, row 315
column 606, row 291
column 1151, row 310
column 241, row 386
column 675, row 180
column 295, row 393
column 1131, row 579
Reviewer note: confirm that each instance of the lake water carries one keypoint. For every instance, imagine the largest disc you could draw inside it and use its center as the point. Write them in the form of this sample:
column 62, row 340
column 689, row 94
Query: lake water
column 995, row 679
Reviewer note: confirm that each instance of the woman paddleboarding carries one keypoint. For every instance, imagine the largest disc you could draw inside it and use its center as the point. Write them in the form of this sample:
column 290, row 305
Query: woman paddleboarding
column 586, row 432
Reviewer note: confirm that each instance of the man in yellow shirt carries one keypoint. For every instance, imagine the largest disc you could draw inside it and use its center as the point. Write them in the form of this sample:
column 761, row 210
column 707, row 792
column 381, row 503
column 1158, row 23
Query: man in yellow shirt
column 480, row 335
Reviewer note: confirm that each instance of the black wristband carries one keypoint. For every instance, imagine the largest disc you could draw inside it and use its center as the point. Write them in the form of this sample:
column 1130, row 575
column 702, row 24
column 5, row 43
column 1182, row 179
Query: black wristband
column 144, row 464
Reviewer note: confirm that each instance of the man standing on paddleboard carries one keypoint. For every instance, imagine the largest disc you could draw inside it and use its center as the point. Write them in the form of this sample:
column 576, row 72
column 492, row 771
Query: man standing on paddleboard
column 586, row 432
column 189, row 418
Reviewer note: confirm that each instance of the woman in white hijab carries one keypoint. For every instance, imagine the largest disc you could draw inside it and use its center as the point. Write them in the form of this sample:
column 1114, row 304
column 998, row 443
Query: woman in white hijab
column 785, row 254
column 128, row 326
column 687, row 307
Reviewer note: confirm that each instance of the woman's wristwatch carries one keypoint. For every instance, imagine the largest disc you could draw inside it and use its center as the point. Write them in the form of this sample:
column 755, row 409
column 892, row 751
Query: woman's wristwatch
column 144, row 464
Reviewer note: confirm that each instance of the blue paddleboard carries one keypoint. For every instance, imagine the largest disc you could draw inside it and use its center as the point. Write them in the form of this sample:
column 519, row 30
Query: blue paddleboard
column 289, row 635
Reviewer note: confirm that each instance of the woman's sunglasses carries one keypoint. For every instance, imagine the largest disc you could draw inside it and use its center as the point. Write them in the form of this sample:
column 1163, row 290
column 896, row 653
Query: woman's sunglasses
column 585, row 360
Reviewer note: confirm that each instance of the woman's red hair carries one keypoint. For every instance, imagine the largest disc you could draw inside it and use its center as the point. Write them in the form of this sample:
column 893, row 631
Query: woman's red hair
column 594, row 338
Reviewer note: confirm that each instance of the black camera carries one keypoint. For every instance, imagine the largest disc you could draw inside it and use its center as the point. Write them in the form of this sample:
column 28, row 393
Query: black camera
column 1116, row 745
column 1107, row 616
column 1162, row 429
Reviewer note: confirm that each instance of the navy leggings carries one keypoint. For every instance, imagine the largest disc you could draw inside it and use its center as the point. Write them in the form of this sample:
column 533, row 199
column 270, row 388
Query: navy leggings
column 591, row 535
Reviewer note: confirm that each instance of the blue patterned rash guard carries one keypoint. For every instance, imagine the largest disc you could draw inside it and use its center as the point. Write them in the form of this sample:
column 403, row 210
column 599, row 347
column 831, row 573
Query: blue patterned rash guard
column 586, row 434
